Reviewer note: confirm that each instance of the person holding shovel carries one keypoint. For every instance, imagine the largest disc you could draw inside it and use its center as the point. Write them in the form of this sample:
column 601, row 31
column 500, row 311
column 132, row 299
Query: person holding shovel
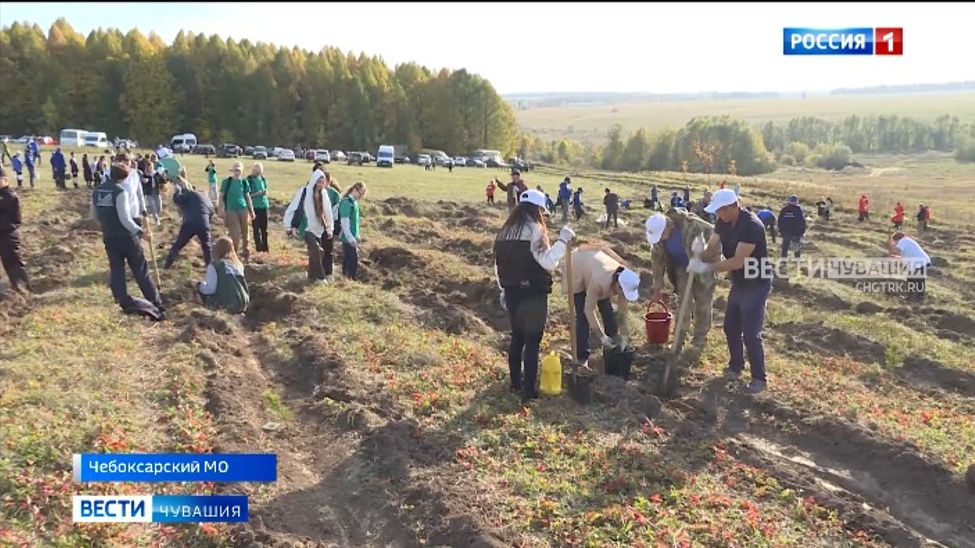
column 524, row 261
column 598, row 274
column 672, row 238
column 740, row 236
column 111, row 208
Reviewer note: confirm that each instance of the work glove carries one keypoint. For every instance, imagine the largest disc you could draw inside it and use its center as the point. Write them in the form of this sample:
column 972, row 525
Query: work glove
column 698, row 246
column 608, row 341
column 567, row 235
column 504, row 304
column 697, row 266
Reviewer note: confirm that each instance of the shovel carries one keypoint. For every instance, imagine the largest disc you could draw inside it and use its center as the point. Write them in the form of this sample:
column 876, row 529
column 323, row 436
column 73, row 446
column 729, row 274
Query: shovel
column 680, row 331
column 152, row 254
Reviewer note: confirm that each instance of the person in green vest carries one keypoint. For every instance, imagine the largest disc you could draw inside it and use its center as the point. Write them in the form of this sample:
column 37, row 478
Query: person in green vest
column 211, row 171
column 328, row 248
column 349, row 221
column 237, row 208
column 258, row 186
column 224, row 287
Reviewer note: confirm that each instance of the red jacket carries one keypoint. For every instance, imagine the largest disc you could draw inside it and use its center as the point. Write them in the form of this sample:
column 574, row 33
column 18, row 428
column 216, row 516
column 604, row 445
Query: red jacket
column 898, row 213
column 864, row 204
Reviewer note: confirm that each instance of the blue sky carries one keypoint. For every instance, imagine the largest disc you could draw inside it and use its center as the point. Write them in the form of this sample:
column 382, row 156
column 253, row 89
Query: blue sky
column 533, row 47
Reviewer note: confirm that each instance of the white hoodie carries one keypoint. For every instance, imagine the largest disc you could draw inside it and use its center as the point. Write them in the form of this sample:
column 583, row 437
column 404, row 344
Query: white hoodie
column 314, row 226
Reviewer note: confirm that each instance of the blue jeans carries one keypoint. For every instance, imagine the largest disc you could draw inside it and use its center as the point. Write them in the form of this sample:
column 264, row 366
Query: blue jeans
column 582, row 323
column 786, row 240
column 350, row 261
column 743, row 320
column 129, row 250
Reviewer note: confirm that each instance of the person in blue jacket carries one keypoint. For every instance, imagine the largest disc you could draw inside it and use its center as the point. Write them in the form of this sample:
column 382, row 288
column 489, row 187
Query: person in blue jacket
column 35, row 152
column 675, row 201
column 30, row 168
column 60, row 168
column 768, row 219
column 197, row 210
column 792, row 226
column 18, row 169
column 564, row 197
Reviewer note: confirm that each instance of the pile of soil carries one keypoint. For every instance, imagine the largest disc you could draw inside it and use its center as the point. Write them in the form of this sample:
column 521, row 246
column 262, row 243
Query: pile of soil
column 398, row 206
column 271, row 303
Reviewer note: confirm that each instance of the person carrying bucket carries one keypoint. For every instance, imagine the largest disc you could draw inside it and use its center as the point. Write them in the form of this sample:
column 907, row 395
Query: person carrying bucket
column 672, row 238
column 740, row 236
column 524, row 261
column 598, row 274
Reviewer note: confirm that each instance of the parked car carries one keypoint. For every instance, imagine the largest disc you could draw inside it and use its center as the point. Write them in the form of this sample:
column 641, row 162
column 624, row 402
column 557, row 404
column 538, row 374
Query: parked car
column 276, row 151
column 476, row 163
column 424, row 160
column 205, row 149
column 368, row 157
column 495, row 162
column 228, row 150
column 286, row 155
column 355, row 158
column 337, row 155
column 248, row 151
column 460, row 161
column 402, row 159
column 322, row 155
column 259, row 153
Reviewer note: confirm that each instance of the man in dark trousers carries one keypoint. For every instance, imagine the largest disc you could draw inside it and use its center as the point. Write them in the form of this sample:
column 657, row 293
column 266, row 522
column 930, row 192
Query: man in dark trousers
column 513, row 189
column 59, row 167
column 792, row 226
column 687, row 197
column 120, row 234
column 565, row 197
column 612, row 203
column 197, row 210
column 13, row 264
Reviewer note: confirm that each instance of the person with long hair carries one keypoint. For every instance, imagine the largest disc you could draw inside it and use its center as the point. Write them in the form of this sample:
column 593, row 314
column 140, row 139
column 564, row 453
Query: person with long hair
column 328, row 244
column 349, row 220
column 224, row 286
column 258, row 186
column 524, row 261
column 310, row 207
column 87, row 171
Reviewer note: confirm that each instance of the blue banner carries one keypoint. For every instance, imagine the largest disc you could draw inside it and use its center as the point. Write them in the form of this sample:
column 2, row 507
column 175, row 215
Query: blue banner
column 150, row 467
column 199, row 508
column 807, row 41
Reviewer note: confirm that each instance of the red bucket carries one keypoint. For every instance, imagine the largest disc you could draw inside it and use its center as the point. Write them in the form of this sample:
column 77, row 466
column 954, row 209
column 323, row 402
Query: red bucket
column 658, row 324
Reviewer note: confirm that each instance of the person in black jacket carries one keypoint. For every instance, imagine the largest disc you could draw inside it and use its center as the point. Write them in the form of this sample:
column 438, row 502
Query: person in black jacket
column 792, row 226
column 197, row 210
column 524, row 261
column 13, row 264
column 121, row 236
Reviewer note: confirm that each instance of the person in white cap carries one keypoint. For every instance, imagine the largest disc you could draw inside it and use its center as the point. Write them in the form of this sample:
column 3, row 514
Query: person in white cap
column 741, row 237
column 674, row 239
column 598, row 274
column 524, row 261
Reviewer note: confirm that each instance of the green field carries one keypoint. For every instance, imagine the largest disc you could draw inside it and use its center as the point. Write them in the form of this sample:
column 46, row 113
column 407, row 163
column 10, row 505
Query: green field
column 590, row 123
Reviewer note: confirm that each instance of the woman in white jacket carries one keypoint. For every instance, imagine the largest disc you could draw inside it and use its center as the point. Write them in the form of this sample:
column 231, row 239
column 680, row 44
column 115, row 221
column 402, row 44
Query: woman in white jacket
column 310, row 213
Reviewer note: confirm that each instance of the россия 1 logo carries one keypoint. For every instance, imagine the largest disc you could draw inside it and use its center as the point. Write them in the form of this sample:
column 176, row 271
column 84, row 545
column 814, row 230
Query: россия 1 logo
column 851, row 41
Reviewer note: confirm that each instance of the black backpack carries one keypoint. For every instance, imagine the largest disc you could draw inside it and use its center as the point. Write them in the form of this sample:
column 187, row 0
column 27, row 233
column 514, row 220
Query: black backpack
column 299, row 215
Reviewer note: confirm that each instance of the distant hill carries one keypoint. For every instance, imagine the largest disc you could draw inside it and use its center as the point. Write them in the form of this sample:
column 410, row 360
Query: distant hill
column 524, row 101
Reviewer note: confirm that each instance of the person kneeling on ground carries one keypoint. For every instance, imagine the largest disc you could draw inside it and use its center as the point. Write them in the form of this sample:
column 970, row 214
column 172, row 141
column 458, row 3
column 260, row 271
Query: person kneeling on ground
column 197, row 210
column 110, row 206
column 524, row 261
column 916, row 259
column 672, row 237
column 224, row 287
column 597, row 275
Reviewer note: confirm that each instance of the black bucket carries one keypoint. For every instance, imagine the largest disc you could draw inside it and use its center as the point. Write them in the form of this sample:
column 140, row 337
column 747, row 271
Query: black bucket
column 617, row 362
column 580, row 385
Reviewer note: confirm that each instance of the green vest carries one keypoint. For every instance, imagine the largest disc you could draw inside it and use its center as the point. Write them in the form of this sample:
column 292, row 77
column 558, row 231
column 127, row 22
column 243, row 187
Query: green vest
column 104, row 197
column 232, row 293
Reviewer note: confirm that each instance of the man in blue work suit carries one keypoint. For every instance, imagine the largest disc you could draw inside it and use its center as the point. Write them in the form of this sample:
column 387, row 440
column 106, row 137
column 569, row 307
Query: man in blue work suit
column 740, row 236
column 792, row 225
column 768, row 219
column 197, row 210
column 121, row 235
column 565, row 198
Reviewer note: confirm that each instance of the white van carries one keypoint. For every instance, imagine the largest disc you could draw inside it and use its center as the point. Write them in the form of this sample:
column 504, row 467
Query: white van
column 385, row 156
column 183, row 143
column 96, row 139
column 72, row 137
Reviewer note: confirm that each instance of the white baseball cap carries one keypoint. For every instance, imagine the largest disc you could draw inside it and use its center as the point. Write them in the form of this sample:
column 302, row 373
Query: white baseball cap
column 630, row 284
column 721, row 198
column 534, row 197
column 655, row 227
